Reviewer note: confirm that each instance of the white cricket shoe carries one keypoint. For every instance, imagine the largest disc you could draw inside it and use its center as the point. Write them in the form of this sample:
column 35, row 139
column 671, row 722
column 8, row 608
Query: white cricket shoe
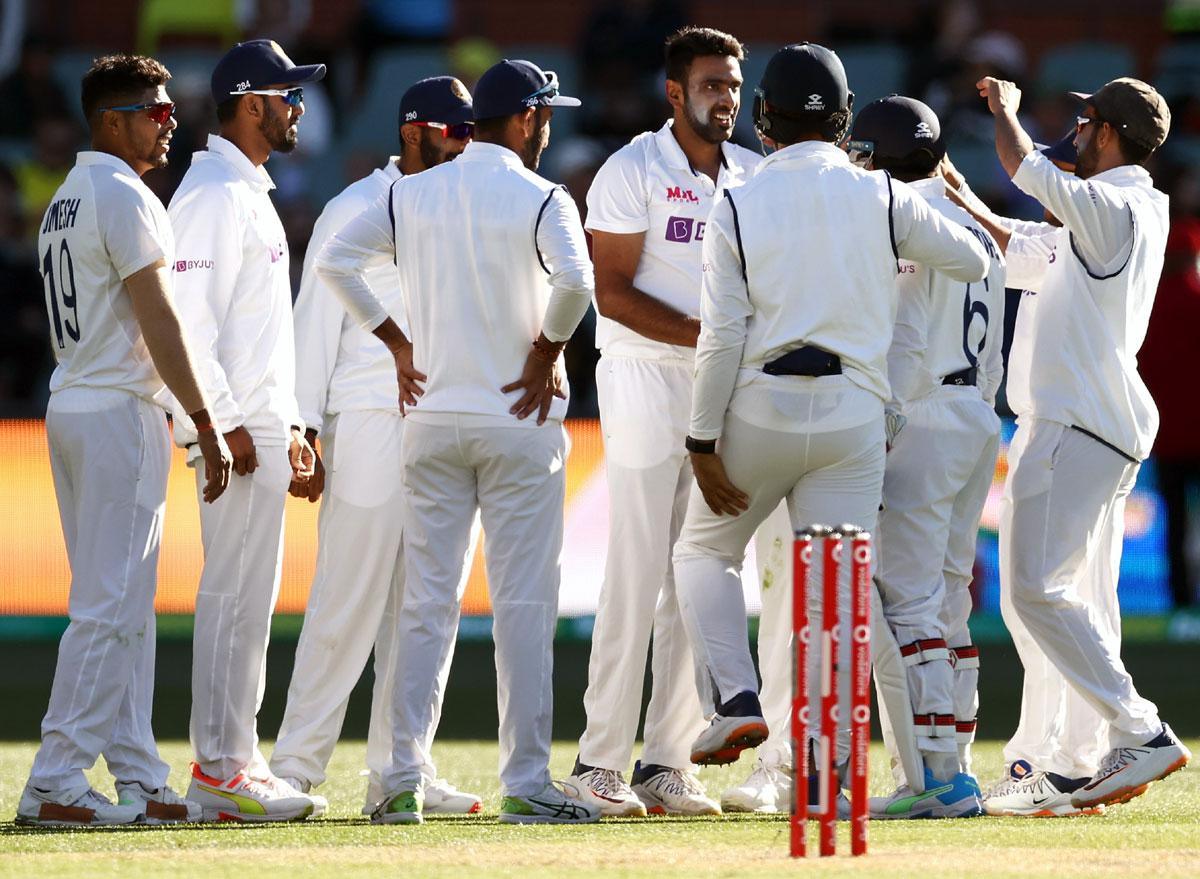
column 1006, row 783
column 606, row 790
column 243, row 798
column 159, row 805
column 1126, row 773
column 73, row 807
column 557, row 803
column 668, row 791
column 1037, row 795
column 443, row 798
column 768, row 790
column 738, row 724
column 290, row 786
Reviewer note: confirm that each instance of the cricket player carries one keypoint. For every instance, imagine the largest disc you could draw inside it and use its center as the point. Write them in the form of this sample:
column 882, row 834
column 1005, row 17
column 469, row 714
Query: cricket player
column 492, row 260
column 797, row 307
column 104, row 248
column 347, row 391
column 1059, row 732
column 232, row 287
column 944, row 369
column 1085, row 422
column 647, row 210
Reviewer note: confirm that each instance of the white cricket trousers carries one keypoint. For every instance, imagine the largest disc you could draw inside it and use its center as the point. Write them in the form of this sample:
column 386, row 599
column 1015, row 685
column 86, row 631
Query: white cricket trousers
column 644, row 410
column 109, row 455
column 833, row 476
column 773, row 550
column 1061, row 529
column 357, row 587
column 938, row 474
column 242, row 534
column 451, row 467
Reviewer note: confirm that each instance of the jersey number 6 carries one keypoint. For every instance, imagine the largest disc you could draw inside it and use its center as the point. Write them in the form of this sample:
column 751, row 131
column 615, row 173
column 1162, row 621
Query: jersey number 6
column 970, row 309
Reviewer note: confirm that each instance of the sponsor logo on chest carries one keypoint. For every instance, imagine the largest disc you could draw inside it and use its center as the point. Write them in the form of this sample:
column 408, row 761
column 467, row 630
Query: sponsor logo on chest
column 679, row 195
column 684, row 229
column 185, row 265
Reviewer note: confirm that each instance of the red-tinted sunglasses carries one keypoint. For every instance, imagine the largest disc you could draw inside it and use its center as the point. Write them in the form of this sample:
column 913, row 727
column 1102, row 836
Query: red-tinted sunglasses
column 460, row 131
column 159, row 113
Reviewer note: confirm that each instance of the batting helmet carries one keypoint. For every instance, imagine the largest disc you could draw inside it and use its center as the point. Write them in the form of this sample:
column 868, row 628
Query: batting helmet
column 803, row 89
column 898, row 134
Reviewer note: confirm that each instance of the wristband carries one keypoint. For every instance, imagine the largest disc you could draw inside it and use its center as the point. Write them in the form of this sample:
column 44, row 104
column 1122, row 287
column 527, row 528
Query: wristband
column 203, row 425
column 700, row 447
column 546, row 350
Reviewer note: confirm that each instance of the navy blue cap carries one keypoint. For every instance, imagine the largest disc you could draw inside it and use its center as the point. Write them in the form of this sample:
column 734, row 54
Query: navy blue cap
column 437, row 99
column 510, row 87
column 256, row 64
column 1062, row 153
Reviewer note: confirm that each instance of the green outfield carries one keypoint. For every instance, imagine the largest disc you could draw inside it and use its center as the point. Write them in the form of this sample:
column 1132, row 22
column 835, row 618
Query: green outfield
column 1155, row 836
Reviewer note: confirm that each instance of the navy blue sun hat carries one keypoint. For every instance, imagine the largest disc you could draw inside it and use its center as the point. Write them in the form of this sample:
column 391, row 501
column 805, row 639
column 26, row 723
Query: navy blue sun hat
column 437, row 99
column 514, row 86
column 256, row 64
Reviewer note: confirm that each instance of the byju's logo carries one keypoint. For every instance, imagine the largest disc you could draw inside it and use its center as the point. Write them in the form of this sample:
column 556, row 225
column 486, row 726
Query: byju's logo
column 678, row 194
column 815, row 102
column 684, row 229
column 183, row 265
column 923, row 131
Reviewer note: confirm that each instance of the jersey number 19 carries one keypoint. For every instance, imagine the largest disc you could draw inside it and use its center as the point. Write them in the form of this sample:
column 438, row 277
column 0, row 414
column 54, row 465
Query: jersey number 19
column 66, row 278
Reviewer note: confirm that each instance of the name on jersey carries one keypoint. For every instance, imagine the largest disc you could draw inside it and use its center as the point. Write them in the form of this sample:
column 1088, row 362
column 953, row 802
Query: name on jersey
column 183, row 265
column 986, row 241
column 685, row 229
column 680, row 195
column 61, row 215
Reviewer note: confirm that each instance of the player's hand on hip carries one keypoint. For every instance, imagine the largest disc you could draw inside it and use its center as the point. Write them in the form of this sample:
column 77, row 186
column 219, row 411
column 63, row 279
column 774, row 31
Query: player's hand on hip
column 241, row 446
column 541, row 381
column 1002, row 96
column 301, row 456
column 408, row 376
column 216, row 465
column 721, row 495
column 312, row 488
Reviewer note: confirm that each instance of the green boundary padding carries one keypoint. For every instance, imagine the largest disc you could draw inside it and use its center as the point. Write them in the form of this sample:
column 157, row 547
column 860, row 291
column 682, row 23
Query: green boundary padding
column 1179, row 627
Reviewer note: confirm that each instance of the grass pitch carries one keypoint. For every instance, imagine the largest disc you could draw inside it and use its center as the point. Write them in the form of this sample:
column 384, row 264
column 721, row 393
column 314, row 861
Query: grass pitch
column 1157, row 835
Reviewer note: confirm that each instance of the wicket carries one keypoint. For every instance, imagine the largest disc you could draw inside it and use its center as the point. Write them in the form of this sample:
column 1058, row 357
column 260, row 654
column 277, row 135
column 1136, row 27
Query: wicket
column 828, row 784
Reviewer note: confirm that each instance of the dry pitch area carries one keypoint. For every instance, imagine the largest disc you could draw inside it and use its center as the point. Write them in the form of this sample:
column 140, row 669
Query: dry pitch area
column 1157, row 836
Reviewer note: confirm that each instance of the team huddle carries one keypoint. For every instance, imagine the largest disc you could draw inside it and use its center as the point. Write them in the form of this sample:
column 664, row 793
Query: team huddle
column 813, row 336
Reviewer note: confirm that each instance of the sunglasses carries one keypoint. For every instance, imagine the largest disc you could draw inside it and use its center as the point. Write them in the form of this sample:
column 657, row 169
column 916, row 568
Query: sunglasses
column 159, row 112
column 459, row 131
column 546, row 93
column 291, row 97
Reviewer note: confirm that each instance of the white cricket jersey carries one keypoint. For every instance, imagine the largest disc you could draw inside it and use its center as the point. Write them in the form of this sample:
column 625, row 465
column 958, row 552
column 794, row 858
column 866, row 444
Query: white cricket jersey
column 1074, row 353
column 650, row 186
column 234, row 294
column 820, row 241
column 489, row 255
column 945, row 326
column 341, row 367
column 102, row 226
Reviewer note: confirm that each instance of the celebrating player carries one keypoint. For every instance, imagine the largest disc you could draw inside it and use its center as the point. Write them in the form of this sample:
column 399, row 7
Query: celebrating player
column 797, row 306
column 491, row 257
column 944, row 369
column 347, row 391
column 1085, row 422
column 235, row 297
column 646, row 211
column 105, row 246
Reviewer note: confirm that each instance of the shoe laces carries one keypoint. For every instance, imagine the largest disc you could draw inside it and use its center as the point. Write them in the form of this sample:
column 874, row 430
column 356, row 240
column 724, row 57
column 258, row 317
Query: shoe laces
column 1119, row 758
column 1033, row 784
column 762, row 775
column 678, row 783
column 607, row 782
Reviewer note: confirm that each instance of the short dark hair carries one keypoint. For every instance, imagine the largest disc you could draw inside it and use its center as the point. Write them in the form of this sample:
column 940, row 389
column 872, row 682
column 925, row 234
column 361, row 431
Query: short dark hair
column 491, row 130
column 1133, row 153
column 788, row 129
column 227, row 109
column 917, row 165
column 691, row 42
column 117, row 79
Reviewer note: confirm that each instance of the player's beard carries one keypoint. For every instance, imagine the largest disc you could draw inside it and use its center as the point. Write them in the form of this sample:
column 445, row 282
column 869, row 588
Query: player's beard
column 1088, row 159
column 435, row 149
column 531, row 153
column 277, row 129
column 705, row 128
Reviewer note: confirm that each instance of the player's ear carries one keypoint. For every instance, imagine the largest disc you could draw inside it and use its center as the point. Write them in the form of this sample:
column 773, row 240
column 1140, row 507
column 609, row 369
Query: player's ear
column 675, row 93
column 410, row 135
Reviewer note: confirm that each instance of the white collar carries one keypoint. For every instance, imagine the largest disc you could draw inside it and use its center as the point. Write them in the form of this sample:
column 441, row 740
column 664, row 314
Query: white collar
column 255, row 175
column 97, row 157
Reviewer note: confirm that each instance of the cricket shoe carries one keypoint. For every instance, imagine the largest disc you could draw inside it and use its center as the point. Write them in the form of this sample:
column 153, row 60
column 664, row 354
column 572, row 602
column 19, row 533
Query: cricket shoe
column 1126, row 773
column 1037, row 795
column 79, row 806
column 606, row 790
column 159, row 805
column 243, row 798
column 1016, row 771
column 667, row 791
column 290, row 786
column 403, row 806
column 557, row 803
column 956, row 798
column 737, row 725
column 443, row 798
column 767, row 790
